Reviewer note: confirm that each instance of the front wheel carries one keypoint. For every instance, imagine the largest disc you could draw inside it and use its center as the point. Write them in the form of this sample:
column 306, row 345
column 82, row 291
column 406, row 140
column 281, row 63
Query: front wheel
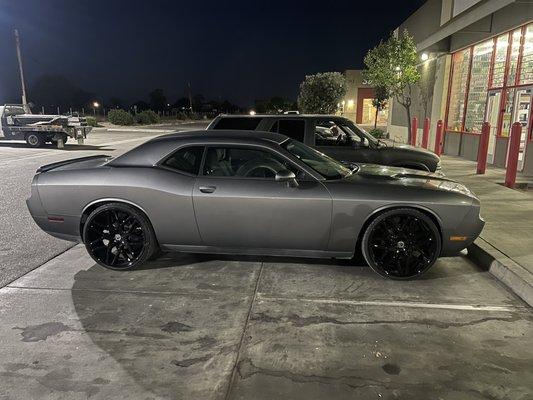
column 401, row 244
column 119, row 237
column 34, row 140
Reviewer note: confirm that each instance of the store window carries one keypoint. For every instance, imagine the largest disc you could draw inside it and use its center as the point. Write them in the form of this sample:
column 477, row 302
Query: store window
column 526, row 73
column 479, row 82
column 513, row 59
column 461, row 63
column 499, row 60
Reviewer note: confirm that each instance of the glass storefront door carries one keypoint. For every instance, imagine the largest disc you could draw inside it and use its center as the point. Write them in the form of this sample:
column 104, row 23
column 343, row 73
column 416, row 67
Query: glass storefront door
column 492, row 114
column 522, row 113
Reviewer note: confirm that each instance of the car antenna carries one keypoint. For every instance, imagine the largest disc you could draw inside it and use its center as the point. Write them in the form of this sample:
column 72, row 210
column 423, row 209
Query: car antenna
column 19, row 56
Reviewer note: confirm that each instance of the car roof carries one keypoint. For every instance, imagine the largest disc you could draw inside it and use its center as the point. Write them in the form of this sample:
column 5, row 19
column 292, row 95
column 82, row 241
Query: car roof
column 222, row 134
column 278, row 116
column 152, row 151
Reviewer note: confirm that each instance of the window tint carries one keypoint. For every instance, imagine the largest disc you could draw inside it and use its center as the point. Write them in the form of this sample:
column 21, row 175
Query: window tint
column 244, row 162
column 187, row 160
column 329, row 133
column 245, row 123
column 293, row 128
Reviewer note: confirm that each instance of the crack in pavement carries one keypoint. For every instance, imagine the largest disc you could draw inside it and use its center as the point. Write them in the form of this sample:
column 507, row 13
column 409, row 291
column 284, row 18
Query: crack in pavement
column 299, row 321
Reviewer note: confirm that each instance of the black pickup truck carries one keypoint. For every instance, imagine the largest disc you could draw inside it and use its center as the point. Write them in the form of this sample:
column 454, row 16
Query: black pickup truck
column 335, row 136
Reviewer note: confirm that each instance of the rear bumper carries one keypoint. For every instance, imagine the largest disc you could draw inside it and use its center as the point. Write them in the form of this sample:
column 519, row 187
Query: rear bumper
column 61, row 226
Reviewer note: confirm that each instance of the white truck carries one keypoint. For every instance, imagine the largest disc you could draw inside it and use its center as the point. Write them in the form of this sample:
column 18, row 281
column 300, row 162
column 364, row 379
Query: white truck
column 38, row 129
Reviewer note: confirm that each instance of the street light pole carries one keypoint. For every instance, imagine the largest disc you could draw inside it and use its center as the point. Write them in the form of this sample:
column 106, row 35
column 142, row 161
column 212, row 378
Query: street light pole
column 19, row 56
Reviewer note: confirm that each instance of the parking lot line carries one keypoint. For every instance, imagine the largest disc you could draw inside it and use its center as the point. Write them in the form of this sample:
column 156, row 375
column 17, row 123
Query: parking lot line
column 442, row 306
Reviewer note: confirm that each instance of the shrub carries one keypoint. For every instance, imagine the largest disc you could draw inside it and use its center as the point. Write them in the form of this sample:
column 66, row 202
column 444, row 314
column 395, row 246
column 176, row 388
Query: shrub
column 146, row 117
column 120, row 117
column 91, row 121
column 377, row 133
column 182, row 115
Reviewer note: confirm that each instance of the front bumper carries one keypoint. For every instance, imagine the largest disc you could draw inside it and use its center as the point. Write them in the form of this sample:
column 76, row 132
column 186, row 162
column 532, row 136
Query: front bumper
column 469, row 229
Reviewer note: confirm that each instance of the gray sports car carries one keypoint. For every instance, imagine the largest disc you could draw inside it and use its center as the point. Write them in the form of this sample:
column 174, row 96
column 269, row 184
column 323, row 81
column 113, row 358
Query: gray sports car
column 244, row 192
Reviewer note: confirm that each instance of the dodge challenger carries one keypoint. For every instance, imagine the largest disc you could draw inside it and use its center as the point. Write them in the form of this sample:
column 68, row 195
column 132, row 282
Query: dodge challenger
column 257, row 193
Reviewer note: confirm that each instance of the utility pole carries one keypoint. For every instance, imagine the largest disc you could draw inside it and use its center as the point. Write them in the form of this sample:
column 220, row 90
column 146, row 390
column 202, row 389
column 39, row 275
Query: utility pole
column 190, row 96
column 24, row 100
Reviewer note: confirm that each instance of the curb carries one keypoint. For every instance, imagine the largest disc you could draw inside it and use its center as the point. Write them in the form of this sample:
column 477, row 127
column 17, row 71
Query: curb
column 513, row 275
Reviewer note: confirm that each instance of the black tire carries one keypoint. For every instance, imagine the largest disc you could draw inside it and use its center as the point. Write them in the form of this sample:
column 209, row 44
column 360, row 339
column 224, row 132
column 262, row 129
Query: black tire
column 401, row 244
column 65, row 140
column 119, row 237
column 34, row 140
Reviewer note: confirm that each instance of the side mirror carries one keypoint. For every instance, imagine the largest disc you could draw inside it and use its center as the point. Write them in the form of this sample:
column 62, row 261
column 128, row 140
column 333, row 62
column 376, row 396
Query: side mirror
column 287, row 176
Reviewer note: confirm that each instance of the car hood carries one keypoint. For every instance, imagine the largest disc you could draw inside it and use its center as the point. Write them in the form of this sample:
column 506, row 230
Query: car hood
column 408, row 177
column 408, row 149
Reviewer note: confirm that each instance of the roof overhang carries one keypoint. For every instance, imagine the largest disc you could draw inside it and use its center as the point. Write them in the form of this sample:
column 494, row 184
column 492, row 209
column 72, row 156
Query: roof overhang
column 463, row 20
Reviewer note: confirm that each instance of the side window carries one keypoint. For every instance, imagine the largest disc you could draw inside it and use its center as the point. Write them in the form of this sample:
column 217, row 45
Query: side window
column 244, row 123
column 274, row 127
column 187, row 159
column 244, row 162
column 328, row 133
column 293, row 128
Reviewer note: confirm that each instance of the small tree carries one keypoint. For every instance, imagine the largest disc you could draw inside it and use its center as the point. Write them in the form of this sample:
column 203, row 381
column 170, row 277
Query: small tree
column 320, row 93
column 393, row 65
column 381, row 97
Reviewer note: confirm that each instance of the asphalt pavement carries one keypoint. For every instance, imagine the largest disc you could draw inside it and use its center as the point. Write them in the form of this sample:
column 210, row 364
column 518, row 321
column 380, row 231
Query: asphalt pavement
column 23, row 246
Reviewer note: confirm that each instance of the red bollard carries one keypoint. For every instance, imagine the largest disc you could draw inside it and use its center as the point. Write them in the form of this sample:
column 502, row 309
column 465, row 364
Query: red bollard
column 414, row 130
column 512, row 159
column 438, row 138
column 483, row 149
column 425, row 134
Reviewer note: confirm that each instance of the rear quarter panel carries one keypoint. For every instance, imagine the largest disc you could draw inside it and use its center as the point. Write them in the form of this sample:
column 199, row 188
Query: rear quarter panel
column 164, row 196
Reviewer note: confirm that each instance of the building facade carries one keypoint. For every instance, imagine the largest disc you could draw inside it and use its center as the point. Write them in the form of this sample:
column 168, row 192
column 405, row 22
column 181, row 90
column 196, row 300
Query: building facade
column 357, row 103
column 476, row 63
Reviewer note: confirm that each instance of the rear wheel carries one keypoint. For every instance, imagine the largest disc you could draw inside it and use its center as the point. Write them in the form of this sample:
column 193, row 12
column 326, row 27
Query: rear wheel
column 401, row 244
column 34, row 140
column 119, row 237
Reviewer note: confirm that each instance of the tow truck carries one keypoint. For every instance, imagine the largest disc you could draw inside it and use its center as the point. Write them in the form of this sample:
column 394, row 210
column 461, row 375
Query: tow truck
column 37, row 129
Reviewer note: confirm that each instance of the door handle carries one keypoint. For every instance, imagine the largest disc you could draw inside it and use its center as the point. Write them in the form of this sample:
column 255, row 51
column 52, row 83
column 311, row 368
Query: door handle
column 207, row 189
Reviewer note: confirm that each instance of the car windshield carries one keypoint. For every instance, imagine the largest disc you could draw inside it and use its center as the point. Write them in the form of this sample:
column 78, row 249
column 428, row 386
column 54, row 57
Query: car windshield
column 355, row 130
column 324, row 165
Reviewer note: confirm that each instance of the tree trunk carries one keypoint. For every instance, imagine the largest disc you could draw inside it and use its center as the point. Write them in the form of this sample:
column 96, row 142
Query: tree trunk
column 376, row 118
column 408, row 112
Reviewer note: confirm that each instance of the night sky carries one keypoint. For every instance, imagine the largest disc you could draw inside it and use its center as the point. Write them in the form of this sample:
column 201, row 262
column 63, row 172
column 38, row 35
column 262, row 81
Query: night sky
column 236, row 50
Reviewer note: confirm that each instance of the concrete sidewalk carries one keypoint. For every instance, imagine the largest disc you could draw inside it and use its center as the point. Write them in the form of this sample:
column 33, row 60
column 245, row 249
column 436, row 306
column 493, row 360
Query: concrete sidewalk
column 505, row 246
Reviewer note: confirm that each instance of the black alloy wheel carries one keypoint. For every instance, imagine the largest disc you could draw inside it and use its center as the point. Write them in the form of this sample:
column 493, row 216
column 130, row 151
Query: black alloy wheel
column 119, row 237
column 401, row 244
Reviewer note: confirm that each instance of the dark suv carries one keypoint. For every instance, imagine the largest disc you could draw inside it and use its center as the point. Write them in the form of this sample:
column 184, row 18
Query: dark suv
column 338, row 137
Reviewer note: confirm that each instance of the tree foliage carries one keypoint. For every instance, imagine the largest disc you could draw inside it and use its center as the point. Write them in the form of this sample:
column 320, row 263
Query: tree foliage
column 393, row 65
column 120, row 117
column 274, row 105
column 320, row 93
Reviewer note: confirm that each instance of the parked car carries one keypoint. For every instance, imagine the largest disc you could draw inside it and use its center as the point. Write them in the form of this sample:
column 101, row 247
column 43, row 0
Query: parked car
column 245, row 192
column 335, row 136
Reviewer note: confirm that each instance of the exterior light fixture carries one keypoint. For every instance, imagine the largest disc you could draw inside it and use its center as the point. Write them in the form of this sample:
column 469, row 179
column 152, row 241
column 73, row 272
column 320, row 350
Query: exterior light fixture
column 350, row 103
column 252, row 112
column 96, row 104
column 424, row 56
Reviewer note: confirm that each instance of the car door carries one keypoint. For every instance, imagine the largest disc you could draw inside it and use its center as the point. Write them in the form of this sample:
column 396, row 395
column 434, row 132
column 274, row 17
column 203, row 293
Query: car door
column 239, row 204
column 337, row 141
